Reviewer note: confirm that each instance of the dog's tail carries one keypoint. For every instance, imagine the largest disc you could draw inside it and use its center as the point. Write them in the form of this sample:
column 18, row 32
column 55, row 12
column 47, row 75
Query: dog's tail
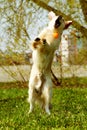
column 55, row 80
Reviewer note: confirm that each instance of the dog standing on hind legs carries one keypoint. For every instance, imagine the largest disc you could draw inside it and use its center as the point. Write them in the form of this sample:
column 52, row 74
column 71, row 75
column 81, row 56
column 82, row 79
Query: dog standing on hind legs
column 40, row 84
column 44, row 46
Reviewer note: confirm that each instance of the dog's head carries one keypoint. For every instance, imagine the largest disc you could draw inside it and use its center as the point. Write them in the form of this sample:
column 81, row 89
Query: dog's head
column 57, row 22
column 38, row 43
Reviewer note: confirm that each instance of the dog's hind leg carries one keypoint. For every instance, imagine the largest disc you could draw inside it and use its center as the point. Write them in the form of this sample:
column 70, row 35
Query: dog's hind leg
column 47, row 108
column 47, row 101
column 31, row 100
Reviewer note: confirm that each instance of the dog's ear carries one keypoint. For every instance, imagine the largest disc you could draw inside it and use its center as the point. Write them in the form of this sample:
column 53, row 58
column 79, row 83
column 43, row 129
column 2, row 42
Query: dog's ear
column 67, row 24
column 51, row 15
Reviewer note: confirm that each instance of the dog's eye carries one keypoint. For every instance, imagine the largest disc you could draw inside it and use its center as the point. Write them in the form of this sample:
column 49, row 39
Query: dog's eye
column 37, row 39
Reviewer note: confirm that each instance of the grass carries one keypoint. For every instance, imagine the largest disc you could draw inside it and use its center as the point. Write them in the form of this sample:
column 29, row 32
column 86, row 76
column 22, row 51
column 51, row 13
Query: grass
column 69, row 110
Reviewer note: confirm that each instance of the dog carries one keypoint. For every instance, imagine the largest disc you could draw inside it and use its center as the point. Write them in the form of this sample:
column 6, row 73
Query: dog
column 44, row 46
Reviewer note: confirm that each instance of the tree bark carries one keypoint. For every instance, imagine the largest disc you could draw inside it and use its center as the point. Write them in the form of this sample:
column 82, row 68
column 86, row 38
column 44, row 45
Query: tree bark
column 84, row 8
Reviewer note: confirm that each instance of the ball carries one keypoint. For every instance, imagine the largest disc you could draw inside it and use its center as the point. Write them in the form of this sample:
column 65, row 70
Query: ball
column 55, row 35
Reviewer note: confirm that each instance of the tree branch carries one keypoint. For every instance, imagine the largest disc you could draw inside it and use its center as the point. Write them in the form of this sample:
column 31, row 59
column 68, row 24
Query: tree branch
column 84, row 8
column 77, row 25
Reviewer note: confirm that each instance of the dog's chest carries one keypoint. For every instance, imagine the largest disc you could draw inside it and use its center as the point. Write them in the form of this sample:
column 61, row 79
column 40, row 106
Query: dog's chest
column 40, row 59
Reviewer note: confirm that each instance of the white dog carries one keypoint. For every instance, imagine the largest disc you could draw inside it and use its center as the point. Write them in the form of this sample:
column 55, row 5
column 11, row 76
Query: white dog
column 40, row 83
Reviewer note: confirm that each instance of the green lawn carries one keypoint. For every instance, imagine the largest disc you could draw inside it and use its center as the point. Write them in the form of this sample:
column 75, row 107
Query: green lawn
column 69, row 111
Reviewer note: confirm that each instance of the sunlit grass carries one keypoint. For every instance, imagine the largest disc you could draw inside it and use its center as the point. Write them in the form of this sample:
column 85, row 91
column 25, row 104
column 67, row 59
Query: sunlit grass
column 69, row 110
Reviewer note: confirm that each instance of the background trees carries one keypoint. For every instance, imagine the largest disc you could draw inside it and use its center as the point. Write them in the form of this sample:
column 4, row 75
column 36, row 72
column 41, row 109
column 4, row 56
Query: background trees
column 22, row 20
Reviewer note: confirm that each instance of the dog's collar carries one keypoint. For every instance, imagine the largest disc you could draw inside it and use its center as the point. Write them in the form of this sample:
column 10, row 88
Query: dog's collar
column 55, row 35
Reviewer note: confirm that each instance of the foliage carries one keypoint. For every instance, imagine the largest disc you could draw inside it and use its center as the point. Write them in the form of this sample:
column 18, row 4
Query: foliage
column 16, row 19
column 79, row 59
column 82, row 57
column 74, row 82
column 17, row 16
column 13, row 58
column 14, row 24
column 68, row 112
